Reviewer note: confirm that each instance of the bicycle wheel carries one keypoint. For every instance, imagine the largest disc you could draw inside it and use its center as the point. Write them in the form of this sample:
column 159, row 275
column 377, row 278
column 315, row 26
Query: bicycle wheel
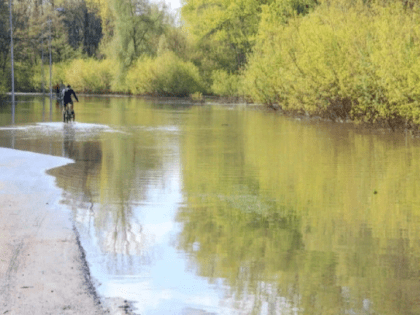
column 67, row 116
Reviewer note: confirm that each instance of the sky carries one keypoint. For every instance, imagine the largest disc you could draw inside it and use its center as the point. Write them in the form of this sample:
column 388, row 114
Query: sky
column 175, row 4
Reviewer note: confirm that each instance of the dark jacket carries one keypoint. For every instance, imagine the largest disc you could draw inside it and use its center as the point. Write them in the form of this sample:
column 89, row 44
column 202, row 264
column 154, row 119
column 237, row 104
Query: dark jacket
column 67, row 95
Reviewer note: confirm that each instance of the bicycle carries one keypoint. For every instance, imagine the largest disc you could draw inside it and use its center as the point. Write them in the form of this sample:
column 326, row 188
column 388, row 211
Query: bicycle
column 68, row 113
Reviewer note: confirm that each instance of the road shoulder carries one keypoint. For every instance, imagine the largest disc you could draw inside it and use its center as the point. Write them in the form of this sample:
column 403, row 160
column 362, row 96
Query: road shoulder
column 42, row 266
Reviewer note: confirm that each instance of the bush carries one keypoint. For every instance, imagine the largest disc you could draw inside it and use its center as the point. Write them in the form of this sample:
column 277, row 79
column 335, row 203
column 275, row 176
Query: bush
column 225, row 84
column 84, row 75
column 36, row 78
column 23, row 79
column 3, row 86
column 90, row 75
column 165, row 75
column 340, row 61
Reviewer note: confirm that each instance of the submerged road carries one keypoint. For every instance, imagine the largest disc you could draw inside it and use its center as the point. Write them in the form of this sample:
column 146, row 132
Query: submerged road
column 42, row 266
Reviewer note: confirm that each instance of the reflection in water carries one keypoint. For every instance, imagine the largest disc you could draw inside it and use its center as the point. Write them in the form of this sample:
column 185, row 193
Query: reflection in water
column 68, row 142
column 208, row 210
column 102, row 187
column 316, row 216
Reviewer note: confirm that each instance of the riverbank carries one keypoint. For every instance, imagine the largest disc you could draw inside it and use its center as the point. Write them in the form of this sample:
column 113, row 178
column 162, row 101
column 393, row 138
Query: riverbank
column 201, row 99
column 42, row 266
column 397, row 124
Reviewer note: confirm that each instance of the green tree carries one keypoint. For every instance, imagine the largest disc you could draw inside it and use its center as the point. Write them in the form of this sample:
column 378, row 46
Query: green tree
column 83, row 26
column 4, row 44
column 138, row 27
column 225, row 31
column 229, row 25
column 174, row 39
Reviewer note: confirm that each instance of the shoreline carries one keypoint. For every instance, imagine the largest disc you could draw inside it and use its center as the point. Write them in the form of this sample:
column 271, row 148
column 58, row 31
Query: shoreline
column 43, row 267
column 205, row 100
column 380, row 124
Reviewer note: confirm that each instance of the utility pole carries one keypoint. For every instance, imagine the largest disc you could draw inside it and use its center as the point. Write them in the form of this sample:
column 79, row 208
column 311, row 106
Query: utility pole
column 42, row 52
column 50, row 75
column 12, row 57
column 42, row 75
column 42, row 65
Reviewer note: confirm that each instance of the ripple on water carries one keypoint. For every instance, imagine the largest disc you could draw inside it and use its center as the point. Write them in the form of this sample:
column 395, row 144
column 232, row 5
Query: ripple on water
column 47, row 127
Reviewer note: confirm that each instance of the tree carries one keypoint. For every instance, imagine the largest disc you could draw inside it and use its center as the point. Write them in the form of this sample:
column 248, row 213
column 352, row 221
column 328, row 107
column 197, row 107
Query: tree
column 230, row 25
column 83, row 26
column 139, row 25
column 4, row 44
column 225, row 31
column 4, row 35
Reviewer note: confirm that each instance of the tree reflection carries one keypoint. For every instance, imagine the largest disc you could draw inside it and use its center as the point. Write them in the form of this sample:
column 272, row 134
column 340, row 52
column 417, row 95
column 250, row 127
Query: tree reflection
column 112, row 174
column 293, row 226
column 288, row 217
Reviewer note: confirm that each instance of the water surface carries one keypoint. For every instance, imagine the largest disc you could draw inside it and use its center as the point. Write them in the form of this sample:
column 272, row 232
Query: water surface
column 227, row 210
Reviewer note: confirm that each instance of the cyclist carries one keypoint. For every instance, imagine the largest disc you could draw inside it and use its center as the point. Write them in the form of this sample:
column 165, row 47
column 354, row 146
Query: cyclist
column 67, row 93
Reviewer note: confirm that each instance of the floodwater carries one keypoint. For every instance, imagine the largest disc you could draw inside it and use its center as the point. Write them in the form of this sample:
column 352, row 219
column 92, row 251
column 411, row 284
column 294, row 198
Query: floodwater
column 228, row 210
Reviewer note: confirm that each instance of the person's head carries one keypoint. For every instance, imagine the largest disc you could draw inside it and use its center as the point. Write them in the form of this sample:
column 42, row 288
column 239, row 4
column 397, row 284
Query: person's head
column 69, row 86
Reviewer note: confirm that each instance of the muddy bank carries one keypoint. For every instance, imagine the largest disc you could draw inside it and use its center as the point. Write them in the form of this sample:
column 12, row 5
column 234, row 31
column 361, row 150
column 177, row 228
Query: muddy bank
column 42, row 265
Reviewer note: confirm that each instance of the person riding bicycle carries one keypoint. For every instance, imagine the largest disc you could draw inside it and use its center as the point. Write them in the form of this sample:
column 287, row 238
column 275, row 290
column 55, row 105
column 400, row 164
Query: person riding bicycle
column 67, row 93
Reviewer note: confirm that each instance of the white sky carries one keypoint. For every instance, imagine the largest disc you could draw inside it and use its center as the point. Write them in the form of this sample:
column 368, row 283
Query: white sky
column 175, row 4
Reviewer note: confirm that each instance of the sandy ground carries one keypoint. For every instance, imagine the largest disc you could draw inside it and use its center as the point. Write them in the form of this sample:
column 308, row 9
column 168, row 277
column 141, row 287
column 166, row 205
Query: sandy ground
column 42, row 265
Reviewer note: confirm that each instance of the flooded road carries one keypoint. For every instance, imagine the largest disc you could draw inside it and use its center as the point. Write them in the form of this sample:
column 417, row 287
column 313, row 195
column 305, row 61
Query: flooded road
column 226, row 210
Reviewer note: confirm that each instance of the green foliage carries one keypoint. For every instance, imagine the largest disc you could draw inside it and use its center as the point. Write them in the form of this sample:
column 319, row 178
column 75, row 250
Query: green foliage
column 223, row 32
column 84, row 75
column 335, row 58
column 33, row 28
column 139, row 25
column 197, row 96
column 175, row 40
column 133, row 28
column 352, row 61
column 4, row 85
column 225, row 84
column 223, row 28
column 137, row 28
column 91, row 75
column 233, row 24
column 59, row 72
column 23, row 77
column 286, row 9
column 4, row 39
column 83, row 26
column 165, row 75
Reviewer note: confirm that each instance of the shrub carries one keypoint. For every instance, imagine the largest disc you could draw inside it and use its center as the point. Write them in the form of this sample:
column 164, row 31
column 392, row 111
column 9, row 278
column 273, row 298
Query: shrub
column 225, row 84
column 165, row 75
column 3, row 86
column 90, row 75
column 350, row 61
column 84, row 75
